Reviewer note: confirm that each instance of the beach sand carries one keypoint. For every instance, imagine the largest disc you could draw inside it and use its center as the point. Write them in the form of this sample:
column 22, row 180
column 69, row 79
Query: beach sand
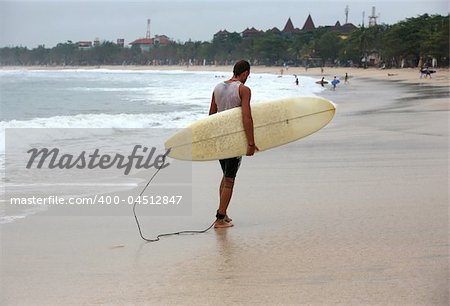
column 356, row 214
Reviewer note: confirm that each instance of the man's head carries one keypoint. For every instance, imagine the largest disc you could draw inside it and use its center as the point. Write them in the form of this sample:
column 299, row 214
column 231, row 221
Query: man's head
column 241, row 70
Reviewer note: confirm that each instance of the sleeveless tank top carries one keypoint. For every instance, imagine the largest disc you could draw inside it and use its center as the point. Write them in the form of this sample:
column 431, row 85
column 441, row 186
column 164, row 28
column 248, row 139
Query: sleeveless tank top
column 227, row 96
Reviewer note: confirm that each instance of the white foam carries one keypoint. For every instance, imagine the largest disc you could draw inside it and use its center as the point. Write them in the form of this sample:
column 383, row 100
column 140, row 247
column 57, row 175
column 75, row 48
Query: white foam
column 4, row 219
column 136, row 121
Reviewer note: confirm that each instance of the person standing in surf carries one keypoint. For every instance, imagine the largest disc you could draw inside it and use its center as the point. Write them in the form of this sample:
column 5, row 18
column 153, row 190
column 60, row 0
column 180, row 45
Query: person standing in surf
column 322, row 82
column 226, row 95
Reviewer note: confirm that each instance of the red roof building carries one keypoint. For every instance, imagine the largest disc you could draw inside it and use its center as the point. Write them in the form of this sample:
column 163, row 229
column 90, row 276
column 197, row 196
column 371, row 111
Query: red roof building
column 147, row 43
column 250, row 32
column 144, row 43
column 161, row 40
column 274, row 30
column 309, row 24
column 289, row 27
column 222, row 34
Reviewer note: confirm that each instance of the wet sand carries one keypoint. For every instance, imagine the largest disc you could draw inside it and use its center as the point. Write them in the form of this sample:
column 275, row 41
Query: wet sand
column 356, row 214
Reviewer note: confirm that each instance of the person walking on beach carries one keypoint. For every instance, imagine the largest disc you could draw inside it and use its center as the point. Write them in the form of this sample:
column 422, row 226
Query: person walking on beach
column 226, row 95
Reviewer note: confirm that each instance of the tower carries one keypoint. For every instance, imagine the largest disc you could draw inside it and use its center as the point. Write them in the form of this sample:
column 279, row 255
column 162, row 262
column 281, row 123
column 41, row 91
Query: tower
column 373, row 18
column 346, row 14
column 148, row 29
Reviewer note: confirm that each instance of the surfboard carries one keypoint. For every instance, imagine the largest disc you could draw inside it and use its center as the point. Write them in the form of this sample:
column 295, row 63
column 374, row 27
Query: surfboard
column 275, row 123
column 320, row 82
column 335, row 82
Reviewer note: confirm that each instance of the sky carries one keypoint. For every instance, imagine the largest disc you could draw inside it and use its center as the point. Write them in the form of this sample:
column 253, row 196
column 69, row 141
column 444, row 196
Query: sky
column 33, row 23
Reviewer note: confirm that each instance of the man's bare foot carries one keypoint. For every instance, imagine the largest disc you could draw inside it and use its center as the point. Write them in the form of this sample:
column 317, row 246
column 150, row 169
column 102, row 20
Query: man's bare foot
column 227, row 219
column 222, row 224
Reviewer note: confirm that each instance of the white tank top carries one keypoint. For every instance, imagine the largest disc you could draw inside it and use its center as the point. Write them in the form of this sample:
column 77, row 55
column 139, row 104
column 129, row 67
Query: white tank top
column 227, row 96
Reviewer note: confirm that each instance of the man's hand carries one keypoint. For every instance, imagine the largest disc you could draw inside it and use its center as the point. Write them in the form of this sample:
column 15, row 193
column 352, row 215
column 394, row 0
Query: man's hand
column 251, row 149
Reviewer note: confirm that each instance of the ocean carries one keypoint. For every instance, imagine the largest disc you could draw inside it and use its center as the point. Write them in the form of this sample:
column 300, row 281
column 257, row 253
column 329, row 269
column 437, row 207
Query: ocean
column 115, row 99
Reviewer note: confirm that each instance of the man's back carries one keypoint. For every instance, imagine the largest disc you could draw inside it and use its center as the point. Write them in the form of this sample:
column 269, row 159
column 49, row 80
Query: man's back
column 227, row 95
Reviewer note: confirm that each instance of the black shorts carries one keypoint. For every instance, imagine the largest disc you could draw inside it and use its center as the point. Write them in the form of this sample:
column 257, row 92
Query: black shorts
column 230, row 166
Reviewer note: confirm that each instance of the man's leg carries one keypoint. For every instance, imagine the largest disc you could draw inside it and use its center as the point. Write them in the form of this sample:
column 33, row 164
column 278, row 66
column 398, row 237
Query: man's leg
column 226, row 191
column 230, row 168
column 227, row 218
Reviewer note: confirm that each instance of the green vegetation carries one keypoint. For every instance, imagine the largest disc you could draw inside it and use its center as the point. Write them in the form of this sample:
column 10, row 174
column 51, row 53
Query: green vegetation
column 408, row 43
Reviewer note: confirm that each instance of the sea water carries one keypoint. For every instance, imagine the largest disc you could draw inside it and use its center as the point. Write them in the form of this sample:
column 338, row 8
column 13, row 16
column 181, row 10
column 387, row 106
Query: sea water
column 101, row 98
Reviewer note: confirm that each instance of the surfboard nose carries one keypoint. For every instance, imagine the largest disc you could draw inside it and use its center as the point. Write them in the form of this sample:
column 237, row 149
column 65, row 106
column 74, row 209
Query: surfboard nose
column 334, row 104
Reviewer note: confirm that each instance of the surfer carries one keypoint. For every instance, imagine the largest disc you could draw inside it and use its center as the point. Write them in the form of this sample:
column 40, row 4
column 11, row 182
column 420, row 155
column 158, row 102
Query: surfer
column 334, row 83
column 226, row 95
column 322, row 82
column 426, row 72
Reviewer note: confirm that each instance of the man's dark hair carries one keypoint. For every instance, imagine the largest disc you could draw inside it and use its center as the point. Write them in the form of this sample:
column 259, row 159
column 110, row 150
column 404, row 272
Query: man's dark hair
column 241, row 67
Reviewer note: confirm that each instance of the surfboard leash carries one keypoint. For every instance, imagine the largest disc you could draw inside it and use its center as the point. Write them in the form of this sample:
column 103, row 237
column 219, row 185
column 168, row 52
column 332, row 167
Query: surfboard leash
column 166, row 234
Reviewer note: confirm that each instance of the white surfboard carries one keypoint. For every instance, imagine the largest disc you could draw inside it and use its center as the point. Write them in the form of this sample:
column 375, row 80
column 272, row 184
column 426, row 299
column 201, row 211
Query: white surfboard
column 275, row 123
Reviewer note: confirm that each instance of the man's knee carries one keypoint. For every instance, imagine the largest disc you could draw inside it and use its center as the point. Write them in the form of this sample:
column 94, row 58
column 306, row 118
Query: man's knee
column 228, row 182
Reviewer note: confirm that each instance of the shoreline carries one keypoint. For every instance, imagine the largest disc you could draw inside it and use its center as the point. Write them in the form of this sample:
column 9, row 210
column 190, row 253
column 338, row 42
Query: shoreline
column 407, row 75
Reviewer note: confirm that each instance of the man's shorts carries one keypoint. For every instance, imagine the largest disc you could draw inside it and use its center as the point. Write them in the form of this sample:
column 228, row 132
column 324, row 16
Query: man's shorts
column 230, row 166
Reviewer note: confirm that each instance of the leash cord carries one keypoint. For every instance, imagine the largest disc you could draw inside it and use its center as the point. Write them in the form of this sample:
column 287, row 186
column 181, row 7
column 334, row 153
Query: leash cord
column 166, row 234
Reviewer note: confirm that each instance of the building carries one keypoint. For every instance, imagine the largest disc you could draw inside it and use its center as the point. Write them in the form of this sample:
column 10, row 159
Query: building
column 222, row 34
column 250, row 32
column 289, row 27
column 144, row 43
column 343, row 29
column 120, row 42
column 274, row 30
column 161, row 40
column 84, row 44
column 148, row 43
column 308, row 26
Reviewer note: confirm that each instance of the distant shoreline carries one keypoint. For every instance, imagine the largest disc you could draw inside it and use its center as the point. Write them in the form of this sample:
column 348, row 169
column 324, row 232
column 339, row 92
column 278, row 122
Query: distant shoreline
column 407, row 75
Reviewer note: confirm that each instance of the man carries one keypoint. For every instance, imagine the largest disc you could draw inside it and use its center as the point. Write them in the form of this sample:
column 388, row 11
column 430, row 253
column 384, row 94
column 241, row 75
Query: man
column 227, row 95
column 322, row 82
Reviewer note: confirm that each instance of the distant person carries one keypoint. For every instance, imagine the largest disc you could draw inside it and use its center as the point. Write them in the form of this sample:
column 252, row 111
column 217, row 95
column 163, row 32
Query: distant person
column 335, row 82
column 322, row 82
column 346, row 78
column 421, row 72
column 296, row 79
column 425, row 72
column 226, row 95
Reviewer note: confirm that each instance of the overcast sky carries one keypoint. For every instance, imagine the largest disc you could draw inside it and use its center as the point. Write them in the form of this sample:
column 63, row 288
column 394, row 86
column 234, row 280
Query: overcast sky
column 31, row 23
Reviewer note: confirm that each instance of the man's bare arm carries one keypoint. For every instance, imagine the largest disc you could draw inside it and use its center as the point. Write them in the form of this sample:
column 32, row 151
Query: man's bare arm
column 213, row 106
column 247, row 119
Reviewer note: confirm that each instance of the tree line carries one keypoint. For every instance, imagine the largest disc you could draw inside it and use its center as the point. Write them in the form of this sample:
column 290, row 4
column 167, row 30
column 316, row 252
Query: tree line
column 408, row 43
